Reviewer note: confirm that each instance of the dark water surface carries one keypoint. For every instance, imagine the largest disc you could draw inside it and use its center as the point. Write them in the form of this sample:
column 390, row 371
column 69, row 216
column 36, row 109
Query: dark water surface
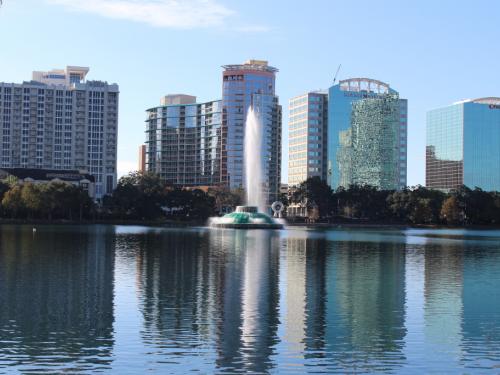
column 82, row 299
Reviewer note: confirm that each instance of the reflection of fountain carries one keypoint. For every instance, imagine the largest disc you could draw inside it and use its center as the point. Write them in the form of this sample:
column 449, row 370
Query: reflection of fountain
column 253, row 215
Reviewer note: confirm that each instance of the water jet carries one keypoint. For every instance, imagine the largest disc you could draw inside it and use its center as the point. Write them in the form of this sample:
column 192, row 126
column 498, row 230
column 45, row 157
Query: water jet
column 252, row 215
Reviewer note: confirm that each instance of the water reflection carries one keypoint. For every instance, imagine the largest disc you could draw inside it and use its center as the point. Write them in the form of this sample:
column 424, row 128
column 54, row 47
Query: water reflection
column 227, row 301
column 56, row 298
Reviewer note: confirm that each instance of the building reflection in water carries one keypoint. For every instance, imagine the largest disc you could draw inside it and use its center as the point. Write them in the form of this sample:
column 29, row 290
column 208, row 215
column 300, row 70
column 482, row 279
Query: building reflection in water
column 481, row 306
column 215, row 290
column 344, row 304
column 56, row 297
column 304, row 301
column 365, row 308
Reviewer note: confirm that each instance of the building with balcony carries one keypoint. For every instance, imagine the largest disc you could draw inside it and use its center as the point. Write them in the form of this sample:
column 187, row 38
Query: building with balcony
column 463, row 145
column 184, row 142
column 367, row 135
column 60, row 121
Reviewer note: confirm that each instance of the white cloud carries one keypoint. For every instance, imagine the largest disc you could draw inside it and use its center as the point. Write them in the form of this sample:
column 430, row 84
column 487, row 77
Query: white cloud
column 126, row 166
column 177, row 14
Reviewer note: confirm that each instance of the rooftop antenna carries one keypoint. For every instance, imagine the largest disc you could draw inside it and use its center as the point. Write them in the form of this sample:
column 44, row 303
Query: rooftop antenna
column 334, row 78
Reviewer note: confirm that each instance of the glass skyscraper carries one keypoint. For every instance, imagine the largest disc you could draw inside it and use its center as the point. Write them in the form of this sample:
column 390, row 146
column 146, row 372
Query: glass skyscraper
column 307, row 137
column 367, row 135
column 183, row 141
column 463, row 145
column 245, row 85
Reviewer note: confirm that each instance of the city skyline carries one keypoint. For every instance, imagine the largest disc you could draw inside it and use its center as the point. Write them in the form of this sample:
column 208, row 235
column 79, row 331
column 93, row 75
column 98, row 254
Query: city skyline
column 431, row 66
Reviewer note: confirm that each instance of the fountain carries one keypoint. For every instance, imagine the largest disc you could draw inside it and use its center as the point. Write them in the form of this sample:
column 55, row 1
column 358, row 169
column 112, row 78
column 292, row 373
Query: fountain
column 251, row 216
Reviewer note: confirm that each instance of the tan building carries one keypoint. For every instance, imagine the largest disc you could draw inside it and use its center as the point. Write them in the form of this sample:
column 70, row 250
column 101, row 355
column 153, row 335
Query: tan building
column 142, row 159
column 307, row 137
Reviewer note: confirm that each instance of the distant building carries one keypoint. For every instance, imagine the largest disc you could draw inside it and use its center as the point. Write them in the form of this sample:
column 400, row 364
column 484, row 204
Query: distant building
column 36, row 176
column 463, row 145
column 307, row 137
column 250, row 84
column 142, row 159
column 60, row 121
column 184, row 141
column 367, row 135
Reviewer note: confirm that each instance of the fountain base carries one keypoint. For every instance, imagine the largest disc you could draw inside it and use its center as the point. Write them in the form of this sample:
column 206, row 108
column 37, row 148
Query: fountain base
column 245, row 217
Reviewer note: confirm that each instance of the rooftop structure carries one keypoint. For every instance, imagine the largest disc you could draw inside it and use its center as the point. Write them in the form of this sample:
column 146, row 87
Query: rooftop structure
column 65, row 77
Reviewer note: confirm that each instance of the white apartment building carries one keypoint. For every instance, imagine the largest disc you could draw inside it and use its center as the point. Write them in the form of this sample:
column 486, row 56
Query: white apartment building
column 60, row 121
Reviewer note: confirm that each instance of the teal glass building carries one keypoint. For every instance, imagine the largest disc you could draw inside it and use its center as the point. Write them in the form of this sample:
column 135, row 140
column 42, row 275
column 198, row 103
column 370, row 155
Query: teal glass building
column 463, row 145
column 367, row 135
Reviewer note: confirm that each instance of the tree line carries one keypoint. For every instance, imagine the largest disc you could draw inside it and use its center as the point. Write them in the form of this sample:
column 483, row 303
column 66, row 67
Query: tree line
column 44, row 201
column 138, row 196
column 143, row 196
column 415, row 205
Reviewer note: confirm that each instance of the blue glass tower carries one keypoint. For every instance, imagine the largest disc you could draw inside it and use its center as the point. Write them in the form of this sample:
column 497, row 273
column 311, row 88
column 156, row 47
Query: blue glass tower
column 463, row 145
column 367, row 135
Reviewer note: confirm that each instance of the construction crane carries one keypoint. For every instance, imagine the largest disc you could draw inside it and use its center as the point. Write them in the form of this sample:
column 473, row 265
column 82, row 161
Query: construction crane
column 336, row 73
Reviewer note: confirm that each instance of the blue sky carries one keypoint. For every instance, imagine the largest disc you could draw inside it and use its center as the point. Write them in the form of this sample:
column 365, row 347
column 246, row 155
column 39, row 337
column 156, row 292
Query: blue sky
column 433, row 52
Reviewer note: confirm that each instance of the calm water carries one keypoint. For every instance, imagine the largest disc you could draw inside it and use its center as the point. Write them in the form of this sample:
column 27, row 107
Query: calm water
column 82, row 299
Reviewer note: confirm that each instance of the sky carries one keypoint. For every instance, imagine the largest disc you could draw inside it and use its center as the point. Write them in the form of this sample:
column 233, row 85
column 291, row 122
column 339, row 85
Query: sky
column 432, row 52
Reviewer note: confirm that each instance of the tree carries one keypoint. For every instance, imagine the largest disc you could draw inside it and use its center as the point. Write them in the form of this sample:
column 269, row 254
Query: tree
column 32, row 199
column 139, row 195
column 225, row 198
column 451, row 211
column 314, row 193
column 192, row 204
column 416, row 205
column 12, row 202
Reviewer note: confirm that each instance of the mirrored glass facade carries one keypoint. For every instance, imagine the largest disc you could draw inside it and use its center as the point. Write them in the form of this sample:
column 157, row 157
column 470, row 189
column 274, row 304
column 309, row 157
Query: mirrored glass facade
column 183, row 143
column 463, row 145
column 367, row 135
column 251, row 83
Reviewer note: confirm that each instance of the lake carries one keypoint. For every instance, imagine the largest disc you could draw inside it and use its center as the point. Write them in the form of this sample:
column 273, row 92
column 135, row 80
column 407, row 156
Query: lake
column 127, row 299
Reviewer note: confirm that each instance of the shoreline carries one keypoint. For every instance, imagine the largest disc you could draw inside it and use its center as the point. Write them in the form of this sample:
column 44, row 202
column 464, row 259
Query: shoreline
column 185, row 224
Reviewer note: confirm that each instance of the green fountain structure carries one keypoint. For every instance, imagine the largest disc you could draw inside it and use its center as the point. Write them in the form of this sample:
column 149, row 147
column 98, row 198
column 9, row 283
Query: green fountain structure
column 246, row 217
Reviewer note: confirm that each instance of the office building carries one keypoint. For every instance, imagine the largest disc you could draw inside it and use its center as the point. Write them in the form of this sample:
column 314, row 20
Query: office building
column 307, row 137
column 367, row 135
column 463, row 145
column 184, row 141
column 244, row 85
column 60, row 121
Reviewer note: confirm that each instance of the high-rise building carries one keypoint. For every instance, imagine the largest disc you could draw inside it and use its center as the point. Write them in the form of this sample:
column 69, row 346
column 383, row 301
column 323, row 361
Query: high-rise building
column 183, row 141
column 58, row 120
column 141, row 167
column 307, row 137
column 367, row 135
column 245, row 85
column 463, row 145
